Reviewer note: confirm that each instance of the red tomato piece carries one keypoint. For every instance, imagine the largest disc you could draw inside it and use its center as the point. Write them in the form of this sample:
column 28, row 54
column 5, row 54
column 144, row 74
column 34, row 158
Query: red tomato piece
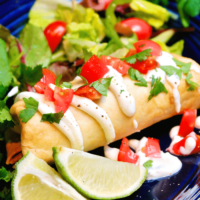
column 116, row 63
column 94, row 69
column 48, row 77
column 42, row 86
column 152, row 148
column 148, row 44
column 63, row 99
column 29, row 88
column 187, row 122
column 142, row 29
column 177, row 146
column 107, row 3
column 144, row 66
column 88, row 92
column 54, row 33
column 126, row 154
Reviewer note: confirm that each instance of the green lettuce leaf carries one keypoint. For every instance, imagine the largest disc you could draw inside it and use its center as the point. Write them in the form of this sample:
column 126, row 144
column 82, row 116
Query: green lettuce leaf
column 153, row 14
column 35, row 46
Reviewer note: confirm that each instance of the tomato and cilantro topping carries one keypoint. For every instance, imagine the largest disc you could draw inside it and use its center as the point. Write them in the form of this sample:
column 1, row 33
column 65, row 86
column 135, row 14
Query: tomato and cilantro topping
column 54, row 33
column 126, row 154
column 116, row 63
column 187, row 122
column 142, row 29
column 88, row 92
column 42, row 86
column 63, row 99
column 94, row 69
column 152, row 148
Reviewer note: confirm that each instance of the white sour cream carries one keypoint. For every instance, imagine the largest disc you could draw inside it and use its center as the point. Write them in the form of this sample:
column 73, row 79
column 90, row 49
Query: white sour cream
column 190, row 144
column 161, row 167
column 135, row 123
column 67, row 125
column 13, row 91
column 195, row 68
column 97, row 113
column 111, row 153
column 174, row 132
column 156, row 73
column 164, row 60
column 125, row 99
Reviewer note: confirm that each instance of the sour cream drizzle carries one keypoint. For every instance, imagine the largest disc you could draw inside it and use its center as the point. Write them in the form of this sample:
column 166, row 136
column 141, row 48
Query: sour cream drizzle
column 67, row 125
column 97, row 113
column 161, row 167
column 164, row 60
column 125, row 99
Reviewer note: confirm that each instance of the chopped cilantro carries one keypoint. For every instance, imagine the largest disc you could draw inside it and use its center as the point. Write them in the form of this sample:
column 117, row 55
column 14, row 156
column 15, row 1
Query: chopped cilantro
column 148, row 164
column 121, row 91
column 141, row 56
column 31, row 108
column 192, row 85
column 102, row 85
column 5, row 175
column 57, row 81
column 31, row 75
column 78, row 71
column 185, row 67
column 156, row 87
column 66, row 85
column 136, row 75
column 52, row 117
column 5, row 194
column 170, row 70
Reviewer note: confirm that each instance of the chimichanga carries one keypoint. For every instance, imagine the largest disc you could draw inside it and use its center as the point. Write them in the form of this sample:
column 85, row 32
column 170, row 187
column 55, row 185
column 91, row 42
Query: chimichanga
column 39, row 137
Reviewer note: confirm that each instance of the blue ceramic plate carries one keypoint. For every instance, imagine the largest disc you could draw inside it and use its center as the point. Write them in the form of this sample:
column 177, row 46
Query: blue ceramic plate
column 184, row 185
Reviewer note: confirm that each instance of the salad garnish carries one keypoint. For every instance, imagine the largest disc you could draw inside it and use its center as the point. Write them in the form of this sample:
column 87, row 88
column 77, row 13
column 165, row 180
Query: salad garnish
column 192, row 84
column 52, row 117
column 148, row 164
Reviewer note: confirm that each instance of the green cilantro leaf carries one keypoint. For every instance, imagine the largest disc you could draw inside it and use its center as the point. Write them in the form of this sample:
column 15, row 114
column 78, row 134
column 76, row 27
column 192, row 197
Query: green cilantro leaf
column 148, row 164
column 31, row 75
column 31, row 108
column 57, row 81
column 136, row 75
column 52, row 117
column 102, row 85
column 78, row 71
column 170, row 70
column 185, row 67
column 5, row 175
column 141, row 56
column 156, row 87
column 5, row 117
column 121, row 91
column 87, row 54
column 192, row 85
column 66, row 85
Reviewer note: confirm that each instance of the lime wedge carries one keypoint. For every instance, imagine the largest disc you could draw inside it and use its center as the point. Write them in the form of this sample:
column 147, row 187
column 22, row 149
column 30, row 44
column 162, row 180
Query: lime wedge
column 35, row 179
column 97, row 177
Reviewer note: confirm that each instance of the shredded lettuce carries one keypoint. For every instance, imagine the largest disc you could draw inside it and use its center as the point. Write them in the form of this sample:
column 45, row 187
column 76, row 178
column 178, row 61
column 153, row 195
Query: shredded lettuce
column 153, row 14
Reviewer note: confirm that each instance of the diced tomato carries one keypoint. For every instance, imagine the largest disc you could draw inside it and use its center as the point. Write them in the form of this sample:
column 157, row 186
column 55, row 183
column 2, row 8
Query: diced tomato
column 126, row 154
column 187, row 122
column 29, row 88
column 54, row 33
column 63, row 99
column 177, row 146
column 152, row 148
column 148, row 44
column 142, row 29
column 94, row 69
column 88, row 92
column 42, row 86
column 144, row 66
column 48, row 77
column 107, row 3
column 116, row 63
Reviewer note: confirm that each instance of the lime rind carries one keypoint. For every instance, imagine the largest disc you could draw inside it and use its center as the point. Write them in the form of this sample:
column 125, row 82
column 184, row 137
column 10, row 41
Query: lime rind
column 30, row 164
column 61, row 155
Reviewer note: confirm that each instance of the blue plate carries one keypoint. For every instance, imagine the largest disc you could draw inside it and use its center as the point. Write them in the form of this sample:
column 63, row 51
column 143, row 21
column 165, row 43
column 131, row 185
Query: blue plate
column 184, row 185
